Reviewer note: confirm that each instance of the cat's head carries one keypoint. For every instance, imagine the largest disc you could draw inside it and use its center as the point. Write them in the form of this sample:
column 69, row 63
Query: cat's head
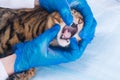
column 66, row 32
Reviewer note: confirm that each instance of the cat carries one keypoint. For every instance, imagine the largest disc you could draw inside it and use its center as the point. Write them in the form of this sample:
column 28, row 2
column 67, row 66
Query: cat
column 25, row 24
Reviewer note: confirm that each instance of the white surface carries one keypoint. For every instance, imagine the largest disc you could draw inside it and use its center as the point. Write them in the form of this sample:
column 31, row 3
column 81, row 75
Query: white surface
column 16, row 4
column 101, row 60
column 3, row 73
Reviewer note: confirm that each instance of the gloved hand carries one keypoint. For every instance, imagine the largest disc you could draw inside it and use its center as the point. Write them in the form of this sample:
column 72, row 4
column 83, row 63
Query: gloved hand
column 63, row 7
column 37, row 52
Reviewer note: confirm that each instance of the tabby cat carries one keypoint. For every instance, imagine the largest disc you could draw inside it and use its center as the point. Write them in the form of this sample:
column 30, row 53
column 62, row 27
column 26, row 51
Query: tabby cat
column 25, row 24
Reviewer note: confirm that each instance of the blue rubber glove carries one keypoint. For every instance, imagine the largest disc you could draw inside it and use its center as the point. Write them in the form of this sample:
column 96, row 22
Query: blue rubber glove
column 37, row 52
column 58, row 5
column 64, row 6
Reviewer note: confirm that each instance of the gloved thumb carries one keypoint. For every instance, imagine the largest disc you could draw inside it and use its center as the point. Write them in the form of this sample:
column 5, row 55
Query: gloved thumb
column 66, row 14
column 50, row 34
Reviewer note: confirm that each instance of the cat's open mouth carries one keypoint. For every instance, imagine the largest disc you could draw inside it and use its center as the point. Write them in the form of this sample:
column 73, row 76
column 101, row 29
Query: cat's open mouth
column 69, row 31
column 66, row 32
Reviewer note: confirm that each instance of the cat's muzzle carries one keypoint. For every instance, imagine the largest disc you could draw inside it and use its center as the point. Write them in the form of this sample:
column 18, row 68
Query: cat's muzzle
column 66, row 33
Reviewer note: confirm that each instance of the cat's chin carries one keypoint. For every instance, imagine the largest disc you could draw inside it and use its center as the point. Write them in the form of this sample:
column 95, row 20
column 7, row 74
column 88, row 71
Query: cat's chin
column 62, row 42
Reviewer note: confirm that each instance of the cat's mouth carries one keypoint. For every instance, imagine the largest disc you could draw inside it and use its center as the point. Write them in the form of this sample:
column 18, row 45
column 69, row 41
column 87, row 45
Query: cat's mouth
column 69, row 31
column 66, row 32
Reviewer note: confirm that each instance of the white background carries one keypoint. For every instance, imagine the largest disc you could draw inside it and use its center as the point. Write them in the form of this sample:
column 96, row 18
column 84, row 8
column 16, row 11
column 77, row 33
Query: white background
column 101, row 60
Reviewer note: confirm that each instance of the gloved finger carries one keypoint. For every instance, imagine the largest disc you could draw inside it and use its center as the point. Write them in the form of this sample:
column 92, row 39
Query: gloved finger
column 65, row 12
column 84, row 42
column 75, row 53
column 91, row 32
column 73, row 44
column 70, row 53
column 82, row 46
column 50, row 34
column 88, row 18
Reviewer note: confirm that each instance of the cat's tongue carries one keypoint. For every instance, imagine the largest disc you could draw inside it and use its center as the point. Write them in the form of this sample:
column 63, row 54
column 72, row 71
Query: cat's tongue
column 68, row 32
